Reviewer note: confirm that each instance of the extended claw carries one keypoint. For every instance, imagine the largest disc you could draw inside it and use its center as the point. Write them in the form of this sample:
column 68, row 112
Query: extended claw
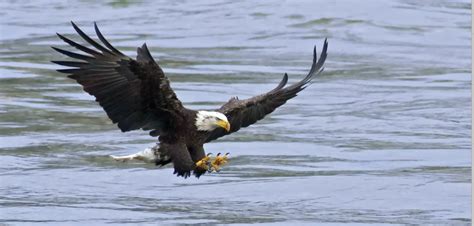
column 204, row 162
column 219, row 161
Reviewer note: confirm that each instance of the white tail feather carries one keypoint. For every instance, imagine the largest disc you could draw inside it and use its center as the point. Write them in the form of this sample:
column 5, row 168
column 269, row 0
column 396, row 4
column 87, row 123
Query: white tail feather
column 147, row 155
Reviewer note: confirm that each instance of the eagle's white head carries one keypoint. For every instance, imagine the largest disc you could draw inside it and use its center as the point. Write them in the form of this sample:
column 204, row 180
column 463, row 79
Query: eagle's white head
column 210, row 120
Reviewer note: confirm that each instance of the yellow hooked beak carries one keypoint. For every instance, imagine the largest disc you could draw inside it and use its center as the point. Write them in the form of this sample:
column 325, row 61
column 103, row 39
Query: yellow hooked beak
column 224, row 124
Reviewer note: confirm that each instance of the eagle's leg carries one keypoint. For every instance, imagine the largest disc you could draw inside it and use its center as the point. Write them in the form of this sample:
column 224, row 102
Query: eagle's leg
column 204, row 163
column 200, row 159
column 219, row 161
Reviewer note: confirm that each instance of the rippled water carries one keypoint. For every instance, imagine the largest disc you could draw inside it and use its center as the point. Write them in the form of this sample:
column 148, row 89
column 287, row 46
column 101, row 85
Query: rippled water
column 384, row 136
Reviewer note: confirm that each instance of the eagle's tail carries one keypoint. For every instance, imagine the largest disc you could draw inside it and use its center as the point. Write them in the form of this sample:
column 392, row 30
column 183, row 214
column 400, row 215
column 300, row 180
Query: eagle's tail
column 149, row 155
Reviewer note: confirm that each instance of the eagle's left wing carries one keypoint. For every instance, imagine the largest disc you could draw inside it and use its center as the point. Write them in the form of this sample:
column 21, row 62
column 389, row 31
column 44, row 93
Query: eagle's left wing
column 242, row 113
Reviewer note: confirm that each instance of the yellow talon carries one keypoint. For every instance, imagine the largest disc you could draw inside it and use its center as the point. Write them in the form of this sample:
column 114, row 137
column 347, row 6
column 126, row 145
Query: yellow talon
column 204, row 162
column 219, row 161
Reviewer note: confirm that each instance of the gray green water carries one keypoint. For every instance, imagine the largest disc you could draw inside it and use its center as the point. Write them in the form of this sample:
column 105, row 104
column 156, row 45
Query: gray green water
column 384, row 136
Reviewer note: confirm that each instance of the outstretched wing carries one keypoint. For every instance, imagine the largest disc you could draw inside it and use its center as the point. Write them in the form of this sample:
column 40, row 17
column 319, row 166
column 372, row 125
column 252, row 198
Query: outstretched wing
column 134, row 93
column 242, row 113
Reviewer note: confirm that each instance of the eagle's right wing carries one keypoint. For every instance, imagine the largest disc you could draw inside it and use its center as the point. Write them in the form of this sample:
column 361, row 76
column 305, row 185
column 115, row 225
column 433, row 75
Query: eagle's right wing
column 134, row 93
column 242, row 113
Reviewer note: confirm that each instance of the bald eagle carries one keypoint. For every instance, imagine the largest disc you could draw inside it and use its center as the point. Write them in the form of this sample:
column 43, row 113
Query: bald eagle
column 136, row 94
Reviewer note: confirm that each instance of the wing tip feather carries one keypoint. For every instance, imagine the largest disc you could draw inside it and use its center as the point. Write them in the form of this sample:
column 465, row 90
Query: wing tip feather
column 105, row 42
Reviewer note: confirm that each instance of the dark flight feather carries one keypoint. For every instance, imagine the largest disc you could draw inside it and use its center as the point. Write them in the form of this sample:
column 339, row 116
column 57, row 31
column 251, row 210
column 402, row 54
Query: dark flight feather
column 78, row 46
column 90, row 40
column 103, row 40
column 134, row 93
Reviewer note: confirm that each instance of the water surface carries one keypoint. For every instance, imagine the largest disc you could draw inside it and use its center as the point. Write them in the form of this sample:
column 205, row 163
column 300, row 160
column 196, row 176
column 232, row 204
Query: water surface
column 383, row 136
